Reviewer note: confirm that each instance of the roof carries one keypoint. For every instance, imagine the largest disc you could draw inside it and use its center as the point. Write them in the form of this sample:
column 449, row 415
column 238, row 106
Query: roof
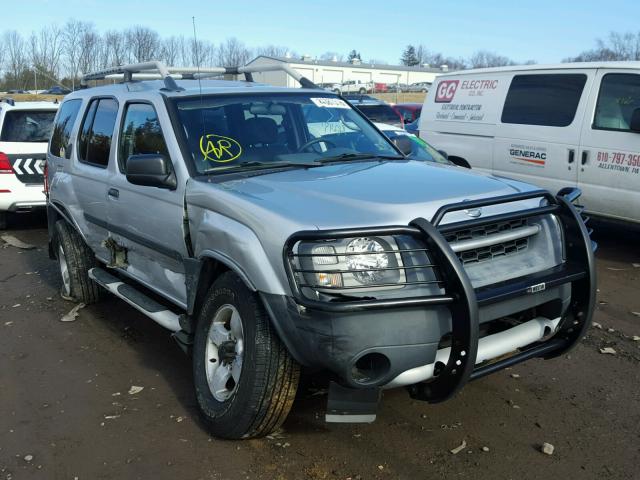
column 564, row 66
column 29, row 106
column 191, row 87
column 367, row 66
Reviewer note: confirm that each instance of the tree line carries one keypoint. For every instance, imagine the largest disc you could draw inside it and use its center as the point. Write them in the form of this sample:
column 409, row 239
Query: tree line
column 616, row 47
column 60, row 54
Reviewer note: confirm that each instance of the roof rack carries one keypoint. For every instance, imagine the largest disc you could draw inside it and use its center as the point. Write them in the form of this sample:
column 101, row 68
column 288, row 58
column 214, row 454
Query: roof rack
column 8, row 100
column 154, row 69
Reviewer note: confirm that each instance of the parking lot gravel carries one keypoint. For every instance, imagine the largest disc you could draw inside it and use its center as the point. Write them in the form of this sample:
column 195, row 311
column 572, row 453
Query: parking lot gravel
column 69, row 409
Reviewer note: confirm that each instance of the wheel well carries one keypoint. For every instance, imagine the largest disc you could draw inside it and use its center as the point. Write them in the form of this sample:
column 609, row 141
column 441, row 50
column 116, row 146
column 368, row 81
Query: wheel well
column 210, row 270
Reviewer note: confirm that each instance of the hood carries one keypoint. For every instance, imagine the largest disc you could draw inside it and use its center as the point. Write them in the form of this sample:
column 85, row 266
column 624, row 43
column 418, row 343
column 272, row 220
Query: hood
column 367, row 193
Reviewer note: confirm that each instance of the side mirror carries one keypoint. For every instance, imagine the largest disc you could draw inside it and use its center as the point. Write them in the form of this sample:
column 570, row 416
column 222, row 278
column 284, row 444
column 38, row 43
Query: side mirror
column 634, row 124
column 404, row 144
column 150, row 170
column 461, row 162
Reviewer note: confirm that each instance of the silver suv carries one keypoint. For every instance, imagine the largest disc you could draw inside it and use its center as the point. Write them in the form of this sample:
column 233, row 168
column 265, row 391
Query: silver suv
column 275, row 228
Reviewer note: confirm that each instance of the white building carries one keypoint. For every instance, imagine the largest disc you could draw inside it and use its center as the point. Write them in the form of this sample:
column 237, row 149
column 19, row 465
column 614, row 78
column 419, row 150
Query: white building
column 326, row 71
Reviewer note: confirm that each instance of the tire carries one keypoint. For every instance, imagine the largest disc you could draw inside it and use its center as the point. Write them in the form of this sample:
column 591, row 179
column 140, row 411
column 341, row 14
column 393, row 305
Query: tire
column 75, row 259
column 3, row 220
column 267, row 379
column 362, row 91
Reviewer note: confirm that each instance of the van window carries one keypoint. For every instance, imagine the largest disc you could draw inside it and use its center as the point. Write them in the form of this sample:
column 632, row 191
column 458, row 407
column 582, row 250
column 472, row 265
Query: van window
column 62, row 128
column 95, row 136
column 550, row 100
column 619, row 96
column 141, row 133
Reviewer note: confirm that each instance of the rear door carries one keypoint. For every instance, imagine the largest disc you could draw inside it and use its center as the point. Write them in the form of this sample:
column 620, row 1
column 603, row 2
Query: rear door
column 609, row 170
column 90, row 175
column 148, row 221
column 538, row 131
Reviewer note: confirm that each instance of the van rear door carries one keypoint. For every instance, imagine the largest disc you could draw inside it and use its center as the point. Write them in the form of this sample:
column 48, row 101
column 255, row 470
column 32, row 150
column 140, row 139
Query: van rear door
column 609, row 161
column 538, row 131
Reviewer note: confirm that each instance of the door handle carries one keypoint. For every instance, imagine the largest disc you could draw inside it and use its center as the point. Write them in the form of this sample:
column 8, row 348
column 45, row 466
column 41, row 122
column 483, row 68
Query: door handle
column 572, row 155
column 113, row 192
column 585, row 157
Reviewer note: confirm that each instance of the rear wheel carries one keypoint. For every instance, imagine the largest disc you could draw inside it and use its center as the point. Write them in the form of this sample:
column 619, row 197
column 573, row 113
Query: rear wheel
column 3, row 220
column 75, row 259
column 244, row 377
column 362, row 90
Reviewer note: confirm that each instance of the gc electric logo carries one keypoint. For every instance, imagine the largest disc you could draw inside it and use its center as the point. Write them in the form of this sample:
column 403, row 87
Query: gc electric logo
column 446, row 90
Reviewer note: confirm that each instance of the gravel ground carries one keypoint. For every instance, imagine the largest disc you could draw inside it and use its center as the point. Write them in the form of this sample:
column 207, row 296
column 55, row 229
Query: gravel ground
column 65, row 410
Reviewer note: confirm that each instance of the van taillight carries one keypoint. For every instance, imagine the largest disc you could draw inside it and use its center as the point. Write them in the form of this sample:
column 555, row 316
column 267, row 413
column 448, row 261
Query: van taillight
column 5, row 164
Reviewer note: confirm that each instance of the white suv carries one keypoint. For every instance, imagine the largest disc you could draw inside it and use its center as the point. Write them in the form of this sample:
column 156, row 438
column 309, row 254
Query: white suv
column 25, row 128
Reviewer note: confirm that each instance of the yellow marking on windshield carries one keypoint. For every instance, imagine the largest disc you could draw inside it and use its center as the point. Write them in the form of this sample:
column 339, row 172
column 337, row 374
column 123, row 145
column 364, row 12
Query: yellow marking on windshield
column 219, row 149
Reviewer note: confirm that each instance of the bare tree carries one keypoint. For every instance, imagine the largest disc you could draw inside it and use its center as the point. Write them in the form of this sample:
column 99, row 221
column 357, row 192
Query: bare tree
column 17, row 60
column 232, row 53
column 143, row 43
column 617, row 46
column 272, row 51
column 78, row 38
column 115, row 47
column 170, row 50
column 202, row 53
column 45, row 50
column 486, row 59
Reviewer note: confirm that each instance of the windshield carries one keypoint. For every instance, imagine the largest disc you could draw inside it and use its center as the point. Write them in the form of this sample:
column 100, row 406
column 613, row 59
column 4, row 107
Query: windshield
column 27, row 125
column 224, row 132
column 421, row 150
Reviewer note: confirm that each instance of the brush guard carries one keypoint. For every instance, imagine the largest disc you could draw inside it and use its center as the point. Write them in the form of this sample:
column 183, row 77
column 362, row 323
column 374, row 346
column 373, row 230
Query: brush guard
column 463, row 301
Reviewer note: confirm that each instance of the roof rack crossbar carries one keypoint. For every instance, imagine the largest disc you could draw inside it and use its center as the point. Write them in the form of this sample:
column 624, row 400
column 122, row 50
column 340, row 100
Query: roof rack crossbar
column 152, row 68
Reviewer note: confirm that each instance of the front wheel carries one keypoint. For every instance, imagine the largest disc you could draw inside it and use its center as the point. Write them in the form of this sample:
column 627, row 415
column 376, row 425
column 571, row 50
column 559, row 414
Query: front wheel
column 362, row 91
column 244, row 377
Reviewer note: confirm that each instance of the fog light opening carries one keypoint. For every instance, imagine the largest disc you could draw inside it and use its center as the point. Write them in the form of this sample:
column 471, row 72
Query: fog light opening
column 370, row 368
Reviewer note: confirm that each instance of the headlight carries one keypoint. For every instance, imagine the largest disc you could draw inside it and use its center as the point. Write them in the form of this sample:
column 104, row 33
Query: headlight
column 369, row 266
column 367, row 253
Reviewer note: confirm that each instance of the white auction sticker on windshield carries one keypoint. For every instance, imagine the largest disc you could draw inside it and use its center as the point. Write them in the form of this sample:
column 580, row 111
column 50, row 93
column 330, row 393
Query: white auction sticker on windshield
column 329, row 102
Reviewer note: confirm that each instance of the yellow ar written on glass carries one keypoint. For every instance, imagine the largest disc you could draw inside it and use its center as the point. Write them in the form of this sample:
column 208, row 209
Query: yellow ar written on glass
column 219, row 149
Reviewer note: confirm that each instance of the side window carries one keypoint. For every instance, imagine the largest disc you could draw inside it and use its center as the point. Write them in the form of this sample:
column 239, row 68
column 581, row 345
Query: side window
column 619, row 96
column 141, row 133
column 67, row 114
column 97, row 129
column 550, row 99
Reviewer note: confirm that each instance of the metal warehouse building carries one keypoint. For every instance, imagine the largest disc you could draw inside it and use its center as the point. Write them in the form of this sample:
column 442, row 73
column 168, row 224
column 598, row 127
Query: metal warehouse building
column 323, row 71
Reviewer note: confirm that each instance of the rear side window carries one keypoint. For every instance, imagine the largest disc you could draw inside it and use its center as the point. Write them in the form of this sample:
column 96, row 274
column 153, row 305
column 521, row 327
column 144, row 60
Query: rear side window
column 96, row 132
column 619, row 97
column 31, row 126
column 548, row 100
column 141, row 133
column 62, row 128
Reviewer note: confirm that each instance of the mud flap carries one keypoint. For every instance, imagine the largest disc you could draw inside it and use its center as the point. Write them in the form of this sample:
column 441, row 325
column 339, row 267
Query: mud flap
column 351, row 405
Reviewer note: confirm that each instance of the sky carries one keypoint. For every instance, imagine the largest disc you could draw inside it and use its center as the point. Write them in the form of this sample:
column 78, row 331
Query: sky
column 543, row 30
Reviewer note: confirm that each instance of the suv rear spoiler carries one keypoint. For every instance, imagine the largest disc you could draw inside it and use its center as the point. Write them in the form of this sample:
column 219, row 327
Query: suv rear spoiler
column 158, row 70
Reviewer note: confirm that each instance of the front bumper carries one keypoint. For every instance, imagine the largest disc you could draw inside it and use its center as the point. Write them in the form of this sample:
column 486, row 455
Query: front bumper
column 405, row 333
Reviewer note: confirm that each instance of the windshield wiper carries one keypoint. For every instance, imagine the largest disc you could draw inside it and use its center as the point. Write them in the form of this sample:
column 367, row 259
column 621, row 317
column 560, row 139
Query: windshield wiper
column 249, row 166
column 358, row 156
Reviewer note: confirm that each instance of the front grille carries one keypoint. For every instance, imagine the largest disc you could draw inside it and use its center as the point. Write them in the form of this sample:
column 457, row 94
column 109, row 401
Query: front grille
column 489, row 251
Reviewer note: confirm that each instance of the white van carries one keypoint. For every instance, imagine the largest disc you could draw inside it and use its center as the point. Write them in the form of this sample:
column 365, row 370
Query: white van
column 573, row 124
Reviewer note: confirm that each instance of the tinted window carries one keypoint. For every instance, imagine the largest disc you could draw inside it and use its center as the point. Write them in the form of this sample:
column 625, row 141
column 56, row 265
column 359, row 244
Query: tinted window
column 380, row 113
column 95, row 138
column 549, row 100
column 141, row 133
column 619, row 97
column 27, row 125
column 62, row 128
